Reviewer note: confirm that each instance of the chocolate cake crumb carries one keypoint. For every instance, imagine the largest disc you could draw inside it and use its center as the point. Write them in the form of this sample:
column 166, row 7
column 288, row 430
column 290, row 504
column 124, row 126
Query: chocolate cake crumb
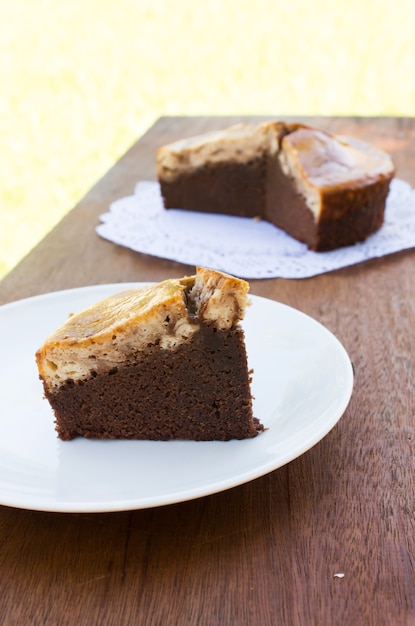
column 199, row 391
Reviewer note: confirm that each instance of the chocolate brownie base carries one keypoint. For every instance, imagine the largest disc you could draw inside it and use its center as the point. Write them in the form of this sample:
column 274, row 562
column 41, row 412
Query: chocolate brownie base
column 199, row 391
column 340, row 224
column 365, row 215
column 228, row 188
column 240, row 189
column 286, row 208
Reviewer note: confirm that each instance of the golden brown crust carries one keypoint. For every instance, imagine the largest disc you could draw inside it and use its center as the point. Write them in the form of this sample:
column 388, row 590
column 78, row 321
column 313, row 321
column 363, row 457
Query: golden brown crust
column 319, row 161
column 112, row 330
column 220, row 299
column 332, row 163
column 240, row 143
column 99, row 321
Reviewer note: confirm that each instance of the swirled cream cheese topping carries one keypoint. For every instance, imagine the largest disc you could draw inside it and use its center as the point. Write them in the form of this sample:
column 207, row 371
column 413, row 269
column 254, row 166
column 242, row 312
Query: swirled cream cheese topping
column 116, row 329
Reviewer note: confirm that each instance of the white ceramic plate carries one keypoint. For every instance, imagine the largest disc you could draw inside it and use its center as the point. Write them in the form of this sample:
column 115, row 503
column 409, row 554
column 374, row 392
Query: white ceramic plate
column 302, row 385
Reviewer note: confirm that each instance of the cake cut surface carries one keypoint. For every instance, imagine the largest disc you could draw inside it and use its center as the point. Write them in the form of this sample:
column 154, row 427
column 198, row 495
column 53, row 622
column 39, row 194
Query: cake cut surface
column 325, row 190
column 167, row 361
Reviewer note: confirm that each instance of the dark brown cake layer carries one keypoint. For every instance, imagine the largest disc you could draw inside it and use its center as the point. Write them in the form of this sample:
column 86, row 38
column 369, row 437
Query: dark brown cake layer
column 200, row 391
column 285, row 208
column 340, row 224
column 240, row 189
column 228, row 188
column 365, row 215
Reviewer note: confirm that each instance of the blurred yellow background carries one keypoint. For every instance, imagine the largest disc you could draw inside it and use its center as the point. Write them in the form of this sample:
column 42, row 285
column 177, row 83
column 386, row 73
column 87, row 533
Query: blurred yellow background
column 82, row 80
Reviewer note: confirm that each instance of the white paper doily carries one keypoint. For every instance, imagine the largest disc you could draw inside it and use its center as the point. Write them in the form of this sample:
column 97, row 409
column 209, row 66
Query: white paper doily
column 242, row 246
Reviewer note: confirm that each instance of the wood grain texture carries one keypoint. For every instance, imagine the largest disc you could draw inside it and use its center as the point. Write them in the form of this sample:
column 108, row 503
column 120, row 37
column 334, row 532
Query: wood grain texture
column 266, row 552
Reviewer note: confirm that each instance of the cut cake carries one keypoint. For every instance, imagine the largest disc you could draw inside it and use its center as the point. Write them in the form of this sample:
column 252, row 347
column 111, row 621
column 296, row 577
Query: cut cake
column 325, row 190
column 167, row 361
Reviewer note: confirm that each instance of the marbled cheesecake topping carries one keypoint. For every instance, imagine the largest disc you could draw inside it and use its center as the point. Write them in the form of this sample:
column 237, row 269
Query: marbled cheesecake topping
column 117, row 329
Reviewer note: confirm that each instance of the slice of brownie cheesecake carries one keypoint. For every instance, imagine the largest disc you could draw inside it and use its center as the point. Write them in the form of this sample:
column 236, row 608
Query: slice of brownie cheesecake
column 325, row 190
column 167, row 361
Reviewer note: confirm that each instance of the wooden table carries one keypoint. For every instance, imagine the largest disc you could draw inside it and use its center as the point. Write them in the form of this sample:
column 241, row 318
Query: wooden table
column 267, row 552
